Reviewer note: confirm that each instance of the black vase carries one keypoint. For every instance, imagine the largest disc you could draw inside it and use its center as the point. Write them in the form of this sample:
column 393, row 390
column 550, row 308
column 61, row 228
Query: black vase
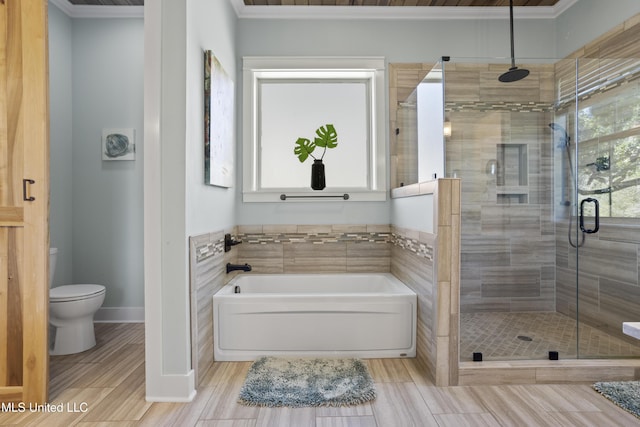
column 317, row 175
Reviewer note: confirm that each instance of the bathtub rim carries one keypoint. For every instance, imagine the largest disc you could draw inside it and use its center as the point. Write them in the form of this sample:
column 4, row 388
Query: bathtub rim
column 397, row 287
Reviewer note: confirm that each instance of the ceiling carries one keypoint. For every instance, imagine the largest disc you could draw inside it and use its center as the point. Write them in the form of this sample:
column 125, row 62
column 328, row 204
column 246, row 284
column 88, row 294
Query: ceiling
column 472, row 3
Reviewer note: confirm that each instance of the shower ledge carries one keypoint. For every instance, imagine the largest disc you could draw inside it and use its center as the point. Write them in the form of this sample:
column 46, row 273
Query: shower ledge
column 632, row 329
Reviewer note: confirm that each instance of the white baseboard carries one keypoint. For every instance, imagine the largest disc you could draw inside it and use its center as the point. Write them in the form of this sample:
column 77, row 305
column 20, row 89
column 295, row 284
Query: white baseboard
column 170, row 388
column 119, row 315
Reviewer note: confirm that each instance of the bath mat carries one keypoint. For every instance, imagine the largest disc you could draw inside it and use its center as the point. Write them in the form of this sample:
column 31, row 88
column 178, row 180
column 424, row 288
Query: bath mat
column 276, row 381
column 625, row 394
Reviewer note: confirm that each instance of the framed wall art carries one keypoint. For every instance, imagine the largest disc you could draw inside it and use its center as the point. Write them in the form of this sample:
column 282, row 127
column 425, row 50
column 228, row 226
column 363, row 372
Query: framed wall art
column 118, row 144
column 218, row 123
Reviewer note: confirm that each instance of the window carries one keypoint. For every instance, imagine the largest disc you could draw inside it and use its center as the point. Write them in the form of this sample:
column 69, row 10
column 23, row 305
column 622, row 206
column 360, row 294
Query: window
column 609, row 150
column 290, row 98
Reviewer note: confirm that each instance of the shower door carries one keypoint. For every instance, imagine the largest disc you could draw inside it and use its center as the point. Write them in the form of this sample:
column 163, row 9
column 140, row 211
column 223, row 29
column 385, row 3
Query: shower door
column 499, row 145
column 603, row 231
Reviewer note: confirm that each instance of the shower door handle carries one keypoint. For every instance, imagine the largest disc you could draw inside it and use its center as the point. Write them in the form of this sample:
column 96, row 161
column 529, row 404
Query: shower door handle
column 597, row 217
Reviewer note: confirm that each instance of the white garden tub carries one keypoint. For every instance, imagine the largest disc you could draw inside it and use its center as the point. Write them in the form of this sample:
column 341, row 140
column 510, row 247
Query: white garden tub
column 350, row 315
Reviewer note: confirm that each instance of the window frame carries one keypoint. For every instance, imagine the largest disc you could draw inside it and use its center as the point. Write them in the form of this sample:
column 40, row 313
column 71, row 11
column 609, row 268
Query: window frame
column 269, row 69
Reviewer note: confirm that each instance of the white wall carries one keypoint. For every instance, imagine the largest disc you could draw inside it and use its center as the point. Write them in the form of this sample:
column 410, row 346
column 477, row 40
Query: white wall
column 168, row 366
column 61, row 144
column 414, row 213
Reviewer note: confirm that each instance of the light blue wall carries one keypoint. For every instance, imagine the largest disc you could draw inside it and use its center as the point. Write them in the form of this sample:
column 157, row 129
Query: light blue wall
column 211, row 26
column 108, row 61
column 397, row 40
column 60, row 137
column 96, row 82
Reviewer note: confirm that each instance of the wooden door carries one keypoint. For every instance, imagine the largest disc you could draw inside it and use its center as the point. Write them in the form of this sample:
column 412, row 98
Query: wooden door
column 24, row 201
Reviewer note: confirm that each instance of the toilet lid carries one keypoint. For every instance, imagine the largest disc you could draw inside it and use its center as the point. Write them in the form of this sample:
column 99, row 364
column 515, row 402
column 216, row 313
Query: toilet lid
column 68, row 292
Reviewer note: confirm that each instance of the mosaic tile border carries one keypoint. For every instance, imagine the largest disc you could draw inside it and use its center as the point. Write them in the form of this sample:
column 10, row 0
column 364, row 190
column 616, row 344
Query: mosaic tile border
column 521, row 107
column 406, row 241
column 209, row 250
column 316, row 238
column 418, row 248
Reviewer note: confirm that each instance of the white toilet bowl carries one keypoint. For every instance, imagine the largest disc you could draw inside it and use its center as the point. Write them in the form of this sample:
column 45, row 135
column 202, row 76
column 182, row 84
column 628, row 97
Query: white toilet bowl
column 71, row 311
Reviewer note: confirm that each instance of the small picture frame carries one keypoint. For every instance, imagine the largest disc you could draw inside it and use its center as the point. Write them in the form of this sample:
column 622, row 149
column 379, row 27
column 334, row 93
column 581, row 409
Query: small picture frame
column 118, row 144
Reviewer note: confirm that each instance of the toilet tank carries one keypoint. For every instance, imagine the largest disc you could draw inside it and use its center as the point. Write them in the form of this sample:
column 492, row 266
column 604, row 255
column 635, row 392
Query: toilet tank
column 53, row 257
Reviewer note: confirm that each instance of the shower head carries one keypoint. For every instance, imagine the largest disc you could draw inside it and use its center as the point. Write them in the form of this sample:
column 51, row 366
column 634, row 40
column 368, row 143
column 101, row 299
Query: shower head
column 514, row 74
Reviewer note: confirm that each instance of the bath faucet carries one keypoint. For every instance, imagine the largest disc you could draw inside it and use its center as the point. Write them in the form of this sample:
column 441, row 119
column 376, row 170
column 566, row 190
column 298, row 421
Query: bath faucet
column 234, row 267
column 229, row 242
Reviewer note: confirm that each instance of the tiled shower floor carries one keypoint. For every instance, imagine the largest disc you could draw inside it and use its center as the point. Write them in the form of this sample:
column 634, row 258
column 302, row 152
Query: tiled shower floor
column 512, row 336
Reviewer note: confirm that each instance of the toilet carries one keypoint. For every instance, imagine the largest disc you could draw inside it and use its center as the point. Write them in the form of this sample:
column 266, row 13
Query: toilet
column 71, row 311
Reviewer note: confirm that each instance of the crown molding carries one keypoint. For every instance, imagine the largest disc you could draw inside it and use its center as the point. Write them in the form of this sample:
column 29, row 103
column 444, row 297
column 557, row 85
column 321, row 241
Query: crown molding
column 84, row 11
column 397, row 12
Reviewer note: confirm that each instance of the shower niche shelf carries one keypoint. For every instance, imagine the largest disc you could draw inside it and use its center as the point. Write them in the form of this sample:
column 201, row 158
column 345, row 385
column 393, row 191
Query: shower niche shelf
column 517, row 198
column 511, row 174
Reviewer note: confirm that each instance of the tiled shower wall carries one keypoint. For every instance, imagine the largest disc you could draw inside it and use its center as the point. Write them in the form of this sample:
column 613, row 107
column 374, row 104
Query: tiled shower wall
column 412, row 261
column 609, row 281
column 500, row 147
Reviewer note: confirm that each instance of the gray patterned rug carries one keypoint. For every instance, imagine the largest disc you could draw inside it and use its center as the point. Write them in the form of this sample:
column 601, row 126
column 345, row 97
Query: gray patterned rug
column 625, row 394
column 273, row 381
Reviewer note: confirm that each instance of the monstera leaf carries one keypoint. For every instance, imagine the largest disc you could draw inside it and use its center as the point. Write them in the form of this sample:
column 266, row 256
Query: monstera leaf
column 327, row 137
column 303, row 149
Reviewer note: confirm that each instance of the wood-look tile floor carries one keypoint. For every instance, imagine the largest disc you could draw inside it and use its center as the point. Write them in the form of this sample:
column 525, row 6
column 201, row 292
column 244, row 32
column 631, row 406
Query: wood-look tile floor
column 105, row 386
column 530, row 336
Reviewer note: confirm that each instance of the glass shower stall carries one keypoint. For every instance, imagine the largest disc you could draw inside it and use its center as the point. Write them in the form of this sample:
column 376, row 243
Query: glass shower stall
column 550, row 205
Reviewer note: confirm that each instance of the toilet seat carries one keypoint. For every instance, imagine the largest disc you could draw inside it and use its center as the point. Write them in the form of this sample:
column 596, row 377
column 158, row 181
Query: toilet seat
column 74, row 292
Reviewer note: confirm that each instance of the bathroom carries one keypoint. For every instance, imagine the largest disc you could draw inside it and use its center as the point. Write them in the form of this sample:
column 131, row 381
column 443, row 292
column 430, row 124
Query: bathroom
column 173, row 171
